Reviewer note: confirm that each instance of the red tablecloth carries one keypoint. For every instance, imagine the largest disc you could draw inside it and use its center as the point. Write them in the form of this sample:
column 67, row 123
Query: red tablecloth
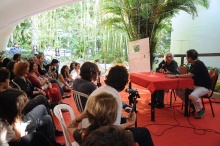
column 158, row 81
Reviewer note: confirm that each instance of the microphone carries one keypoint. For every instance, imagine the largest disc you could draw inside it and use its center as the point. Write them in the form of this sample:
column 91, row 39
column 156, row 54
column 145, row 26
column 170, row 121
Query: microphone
column 164, row 68
column 98, row 79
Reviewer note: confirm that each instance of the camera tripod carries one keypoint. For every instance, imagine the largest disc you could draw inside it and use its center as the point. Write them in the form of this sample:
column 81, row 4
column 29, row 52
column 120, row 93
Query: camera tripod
column 132, row 97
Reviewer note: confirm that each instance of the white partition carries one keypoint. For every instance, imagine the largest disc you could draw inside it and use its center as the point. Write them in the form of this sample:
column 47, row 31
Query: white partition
column 139, row 56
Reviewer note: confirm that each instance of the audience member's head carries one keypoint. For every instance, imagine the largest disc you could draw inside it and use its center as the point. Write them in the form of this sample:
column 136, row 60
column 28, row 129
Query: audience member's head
column 33, row 58
column 32, row 66
column 88, row 70
column 54, row 62
column 17, row 57
column 77, row 66
column 193, row 54
column 21, row 68
column 4, row 78
column 109, row 136
column 72, row 66
column 117, row 77
column 5, row 62
column 16, row 45
column 40, row 57
column 102, row 110
column 11, row 105
column 10, row 67
column 64, row 70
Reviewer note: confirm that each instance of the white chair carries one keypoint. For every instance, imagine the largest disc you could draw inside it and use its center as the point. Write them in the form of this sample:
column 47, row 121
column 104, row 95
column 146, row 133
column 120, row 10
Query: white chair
column 59, row 115
column 77, row 98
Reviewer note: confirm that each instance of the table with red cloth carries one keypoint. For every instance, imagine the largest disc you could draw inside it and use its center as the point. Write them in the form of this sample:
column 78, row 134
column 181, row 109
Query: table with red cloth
column 159, row 81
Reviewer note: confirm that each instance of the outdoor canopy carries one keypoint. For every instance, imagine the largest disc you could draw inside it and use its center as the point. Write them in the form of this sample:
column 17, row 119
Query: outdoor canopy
column 12, row 12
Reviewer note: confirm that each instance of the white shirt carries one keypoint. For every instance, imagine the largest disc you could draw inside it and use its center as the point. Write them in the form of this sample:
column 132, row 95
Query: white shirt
column 116, row 95
column 75, row 74
column 6, row 133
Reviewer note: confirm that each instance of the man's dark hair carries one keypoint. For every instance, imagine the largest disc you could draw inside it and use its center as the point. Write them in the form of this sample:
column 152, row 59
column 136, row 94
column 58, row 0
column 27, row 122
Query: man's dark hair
column 15, row 57
column 10, row 66
column 109, row 136
column 54, row 61
column 4, row 74
column 16, row 43
column 192, row 54
column 5, row 62
column 87, row 69
column 117, row 77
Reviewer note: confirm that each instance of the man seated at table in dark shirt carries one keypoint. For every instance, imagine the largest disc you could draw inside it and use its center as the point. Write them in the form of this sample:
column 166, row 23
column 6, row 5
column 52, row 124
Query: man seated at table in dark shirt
column 167, row 66
column 202, row 81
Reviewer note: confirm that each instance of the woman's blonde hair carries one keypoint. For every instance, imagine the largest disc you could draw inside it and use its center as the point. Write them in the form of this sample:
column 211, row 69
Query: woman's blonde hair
column 102, row 109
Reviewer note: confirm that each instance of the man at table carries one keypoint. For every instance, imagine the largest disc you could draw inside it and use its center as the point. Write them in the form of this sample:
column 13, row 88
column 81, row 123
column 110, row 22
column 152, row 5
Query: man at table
column 202, row 81
column 167, row 66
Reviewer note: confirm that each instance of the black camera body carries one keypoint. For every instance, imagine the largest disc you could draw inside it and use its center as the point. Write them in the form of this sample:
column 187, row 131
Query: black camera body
column 133, row 94
column 131, row 90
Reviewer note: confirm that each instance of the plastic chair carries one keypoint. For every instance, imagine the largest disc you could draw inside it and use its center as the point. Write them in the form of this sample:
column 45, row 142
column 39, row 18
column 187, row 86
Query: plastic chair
column 14, row 85
column 213, row 74
column 77, row 98
column 59, row 115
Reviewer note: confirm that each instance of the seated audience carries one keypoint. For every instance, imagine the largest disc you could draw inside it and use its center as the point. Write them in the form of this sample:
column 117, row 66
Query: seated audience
column 5, row 62
column 109, row 136
column 64, row 79
column 76, row 72
column 11, row 132
column 72, row 66
column 85, row 84
column 35, row 95
column 202, row 82
column 52, row 90
column 10, row 67
column 116, row 80
column 17, row 57
column 42, row 71
column 101, row 111
column 55, row 67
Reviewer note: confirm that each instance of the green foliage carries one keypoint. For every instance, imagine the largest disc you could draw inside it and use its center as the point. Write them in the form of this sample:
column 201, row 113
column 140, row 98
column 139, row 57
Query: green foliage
column 2, row 54
column 101, row 30
column 217, row 86
column 22, row 34
column 215, row 68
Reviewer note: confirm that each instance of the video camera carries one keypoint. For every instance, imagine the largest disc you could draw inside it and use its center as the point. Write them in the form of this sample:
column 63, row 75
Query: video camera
column 133, row 94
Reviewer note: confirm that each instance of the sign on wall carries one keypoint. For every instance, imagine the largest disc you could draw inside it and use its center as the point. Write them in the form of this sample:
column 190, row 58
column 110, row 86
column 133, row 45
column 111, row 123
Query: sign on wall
column 139, row 56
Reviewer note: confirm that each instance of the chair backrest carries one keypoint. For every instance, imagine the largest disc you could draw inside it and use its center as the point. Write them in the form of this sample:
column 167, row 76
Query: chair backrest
column 77, row 98
column 14, row 85
column 183, row 69
column 59, row 115
column 213, row 74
